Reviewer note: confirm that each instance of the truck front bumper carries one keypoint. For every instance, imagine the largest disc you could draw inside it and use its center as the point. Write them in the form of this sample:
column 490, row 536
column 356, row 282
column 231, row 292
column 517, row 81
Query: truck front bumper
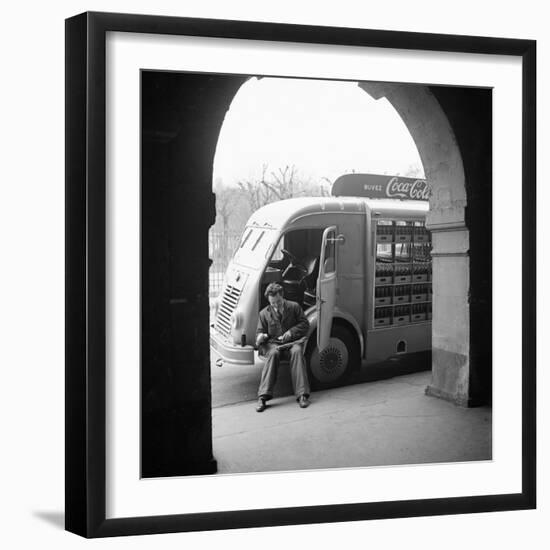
column 230, row 353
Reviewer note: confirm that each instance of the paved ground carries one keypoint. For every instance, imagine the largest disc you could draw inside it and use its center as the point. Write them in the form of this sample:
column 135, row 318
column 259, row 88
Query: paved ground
column 372, row 423
column 232, row 384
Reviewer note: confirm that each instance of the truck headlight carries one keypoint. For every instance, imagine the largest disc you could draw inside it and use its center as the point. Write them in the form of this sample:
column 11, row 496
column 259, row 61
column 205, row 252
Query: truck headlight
column 236, row 319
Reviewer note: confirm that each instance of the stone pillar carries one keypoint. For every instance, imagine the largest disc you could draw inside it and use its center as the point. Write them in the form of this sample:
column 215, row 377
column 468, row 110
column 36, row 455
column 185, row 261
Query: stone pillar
column 182, row 116
column 451, row 275
column 451, row 315
column 435, row 117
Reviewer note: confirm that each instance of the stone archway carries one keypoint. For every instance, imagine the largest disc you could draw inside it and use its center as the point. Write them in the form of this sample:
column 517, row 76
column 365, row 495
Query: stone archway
column 182, row 114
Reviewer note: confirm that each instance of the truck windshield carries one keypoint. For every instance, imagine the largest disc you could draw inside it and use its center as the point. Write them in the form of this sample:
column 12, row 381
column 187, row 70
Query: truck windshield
column 254, row 245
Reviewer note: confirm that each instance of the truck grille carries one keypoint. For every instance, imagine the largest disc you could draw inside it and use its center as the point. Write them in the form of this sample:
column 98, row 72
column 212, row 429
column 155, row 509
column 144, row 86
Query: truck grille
column 229, row 301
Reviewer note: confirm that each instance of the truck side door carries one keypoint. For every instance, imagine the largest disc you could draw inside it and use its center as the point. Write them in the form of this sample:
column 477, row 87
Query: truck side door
column 326, row 287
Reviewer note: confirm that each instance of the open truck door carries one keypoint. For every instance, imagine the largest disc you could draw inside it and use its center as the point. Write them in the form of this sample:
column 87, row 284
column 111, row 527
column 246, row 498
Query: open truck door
column 326, row 287
column 337, row 350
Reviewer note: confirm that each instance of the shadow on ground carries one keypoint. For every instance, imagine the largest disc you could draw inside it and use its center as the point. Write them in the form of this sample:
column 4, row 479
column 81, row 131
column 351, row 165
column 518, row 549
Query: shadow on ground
column 396, row 366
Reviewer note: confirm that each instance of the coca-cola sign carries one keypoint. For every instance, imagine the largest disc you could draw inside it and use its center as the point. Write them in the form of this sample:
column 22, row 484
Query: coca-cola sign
column 412, row 190
column 377, row 186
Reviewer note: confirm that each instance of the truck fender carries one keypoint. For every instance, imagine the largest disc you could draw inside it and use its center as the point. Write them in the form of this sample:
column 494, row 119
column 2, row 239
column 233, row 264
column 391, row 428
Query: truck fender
column 339, row 313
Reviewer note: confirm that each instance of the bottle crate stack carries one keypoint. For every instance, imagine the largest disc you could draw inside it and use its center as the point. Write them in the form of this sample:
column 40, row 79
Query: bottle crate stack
column 403, row 273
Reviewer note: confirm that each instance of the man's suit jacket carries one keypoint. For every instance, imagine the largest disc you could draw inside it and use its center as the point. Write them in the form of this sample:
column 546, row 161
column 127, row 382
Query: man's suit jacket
column 293, row 320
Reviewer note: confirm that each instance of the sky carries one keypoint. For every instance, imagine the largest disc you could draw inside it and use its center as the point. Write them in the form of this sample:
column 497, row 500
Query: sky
column 324, row 128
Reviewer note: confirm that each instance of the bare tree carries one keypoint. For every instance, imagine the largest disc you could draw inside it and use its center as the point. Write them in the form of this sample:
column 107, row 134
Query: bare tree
column 225, row 203
column 284, row 184
column 413, row 171
column 325, row 186
column 280, row 184
column 256, row 192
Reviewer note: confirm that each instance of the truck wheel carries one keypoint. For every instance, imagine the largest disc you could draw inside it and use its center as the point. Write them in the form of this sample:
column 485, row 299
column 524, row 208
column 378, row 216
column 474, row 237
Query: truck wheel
column 336, row 362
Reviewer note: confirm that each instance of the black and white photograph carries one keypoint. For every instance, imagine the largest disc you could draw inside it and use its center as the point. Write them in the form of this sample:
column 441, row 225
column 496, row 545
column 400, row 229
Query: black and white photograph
column 274, row 274
column 349, row 289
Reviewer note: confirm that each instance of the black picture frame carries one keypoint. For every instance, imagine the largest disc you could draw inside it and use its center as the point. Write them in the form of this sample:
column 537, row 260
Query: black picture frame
column 86, row 263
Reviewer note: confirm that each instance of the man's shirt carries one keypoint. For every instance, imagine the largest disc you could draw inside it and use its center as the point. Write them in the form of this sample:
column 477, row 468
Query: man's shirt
column 292, row 319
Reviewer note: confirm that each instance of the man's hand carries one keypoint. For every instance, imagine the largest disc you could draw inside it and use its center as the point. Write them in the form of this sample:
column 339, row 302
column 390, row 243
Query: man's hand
column 261, row 338
column 287, row 336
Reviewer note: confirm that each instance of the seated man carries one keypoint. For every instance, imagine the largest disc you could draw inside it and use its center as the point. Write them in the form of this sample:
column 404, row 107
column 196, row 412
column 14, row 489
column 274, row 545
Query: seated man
column 282, row 328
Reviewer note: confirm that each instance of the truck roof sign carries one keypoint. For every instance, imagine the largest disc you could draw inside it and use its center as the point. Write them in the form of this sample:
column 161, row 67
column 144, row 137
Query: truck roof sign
column 377, row 186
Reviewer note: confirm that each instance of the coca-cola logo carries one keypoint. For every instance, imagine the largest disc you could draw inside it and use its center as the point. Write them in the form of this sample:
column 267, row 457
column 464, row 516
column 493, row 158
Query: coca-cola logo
column 415, row 190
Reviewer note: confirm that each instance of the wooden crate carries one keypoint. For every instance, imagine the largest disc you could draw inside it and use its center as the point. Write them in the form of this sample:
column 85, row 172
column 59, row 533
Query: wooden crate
column 418, row 317
column 421, row 238
column 402, row 320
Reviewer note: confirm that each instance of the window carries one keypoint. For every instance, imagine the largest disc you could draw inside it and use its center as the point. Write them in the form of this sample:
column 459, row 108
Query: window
column 258, row 240
column 246, row 236
column 254, row 246
column 330, row 254
column 277, row 255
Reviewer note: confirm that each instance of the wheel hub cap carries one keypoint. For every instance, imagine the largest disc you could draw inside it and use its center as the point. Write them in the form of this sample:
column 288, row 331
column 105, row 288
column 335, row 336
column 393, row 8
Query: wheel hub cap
column 331, row 358
column 331, row 363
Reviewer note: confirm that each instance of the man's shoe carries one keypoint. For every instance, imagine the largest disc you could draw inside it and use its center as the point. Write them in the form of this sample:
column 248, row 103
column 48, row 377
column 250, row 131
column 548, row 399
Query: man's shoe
column 303, row 401
column 260, row 407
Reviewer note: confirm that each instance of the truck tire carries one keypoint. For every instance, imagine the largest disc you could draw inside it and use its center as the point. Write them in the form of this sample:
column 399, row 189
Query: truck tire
column 337, row 361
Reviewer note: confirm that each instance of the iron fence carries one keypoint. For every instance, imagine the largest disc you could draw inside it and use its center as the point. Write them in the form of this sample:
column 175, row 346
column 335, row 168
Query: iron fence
column 221, row 246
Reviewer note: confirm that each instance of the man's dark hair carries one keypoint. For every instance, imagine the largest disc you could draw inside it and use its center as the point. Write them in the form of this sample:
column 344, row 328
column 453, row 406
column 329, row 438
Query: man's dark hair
column 273, row 289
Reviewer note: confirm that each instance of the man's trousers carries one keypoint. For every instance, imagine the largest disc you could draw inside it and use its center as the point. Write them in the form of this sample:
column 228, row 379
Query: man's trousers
column 298, row 372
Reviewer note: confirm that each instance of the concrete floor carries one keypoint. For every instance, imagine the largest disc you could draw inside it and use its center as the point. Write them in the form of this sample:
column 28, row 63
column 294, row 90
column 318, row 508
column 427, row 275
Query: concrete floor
column 385, row 422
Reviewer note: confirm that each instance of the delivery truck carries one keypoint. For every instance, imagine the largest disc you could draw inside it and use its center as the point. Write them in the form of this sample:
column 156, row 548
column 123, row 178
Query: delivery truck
column 358, row 262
